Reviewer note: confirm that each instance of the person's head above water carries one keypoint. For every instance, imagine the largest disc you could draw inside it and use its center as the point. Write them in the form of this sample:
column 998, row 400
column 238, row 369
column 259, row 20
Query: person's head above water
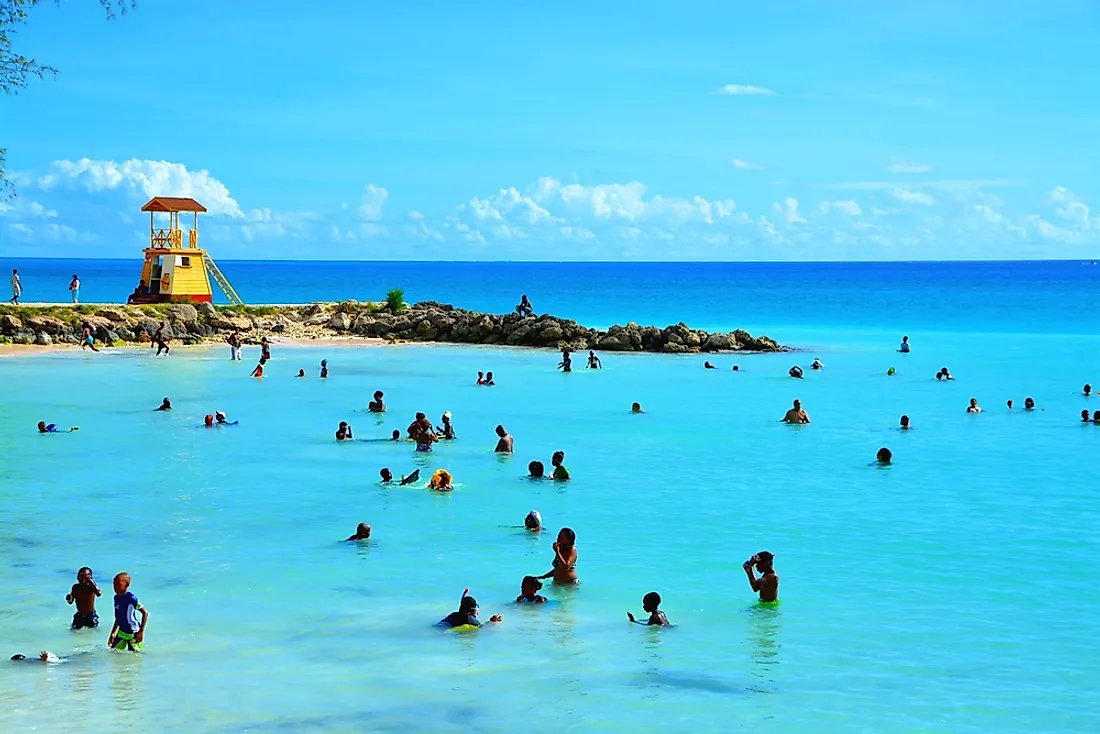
column 166, row 403
column 396, row 435
column 362, row 532
column 1085, row 415
column 42, row 427
column 324, row 363
column 1010, row 403
column 651, row 602
column 530, row 586
column 566, row 536
column 533, row 521
column 1096, row 416
column 468, row 605
column 536, row 470
column 557, row 458
column 905, row 421
column 386, row 474
column 884, row 455
column 736, row 368
column 219, row 416
column 1088, row 389
column 378, row 394
column 501, row 431
column 301, row 373
column 1029, row 403
column 208, row 420
column 891, row 371
column 635, row 407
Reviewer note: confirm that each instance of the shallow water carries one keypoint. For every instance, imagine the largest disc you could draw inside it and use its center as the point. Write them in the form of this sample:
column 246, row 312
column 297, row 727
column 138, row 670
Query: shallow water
column 953, row 591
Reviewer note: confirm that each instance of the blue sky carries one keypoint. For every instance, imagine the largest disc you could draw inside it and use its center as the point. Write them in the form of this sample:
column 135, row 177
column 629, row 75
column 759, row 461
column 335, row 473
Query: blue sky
column 796, row 130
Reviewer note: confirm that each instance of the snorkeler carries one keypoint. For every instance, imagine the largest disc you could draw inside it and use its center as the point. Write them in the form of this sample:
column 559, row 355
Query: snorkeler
column 378, row 405
column 564, row 570
column 362, row 532
column 533, row 521
column 795, row 372
column 166, row 405
column 343, row 432
column 506, row 444
column 529, row 591
column 466, row 615
column 796, row 414
column 768, row 583
column 650, row 604
column 594, row 362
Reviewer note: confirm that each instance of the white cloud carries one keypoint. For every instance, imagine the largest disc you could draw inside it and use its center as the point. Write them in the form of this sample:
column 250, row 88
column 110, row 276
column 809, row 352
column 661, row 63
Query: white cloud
column 507, row 202
column 414, row 216
column 960, row 185
column 745, row 165
column 898, row 165
column 788, row 209
column 912, row 197
column 626, row 201
column 745, row 89
column 372, row 201
column 145, row 177
column 849, row 208
column 579, row 233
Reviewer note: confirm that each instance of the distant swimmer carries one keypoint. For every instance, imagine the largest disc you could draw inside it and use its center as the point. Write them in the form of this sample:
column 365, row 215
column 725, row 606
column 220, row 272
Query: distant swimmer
column 564, row 569
column 83, row 594
column 466, row 615
column 566, row 364
column 378, row 405
column 795, row 372
column 441, row 481
column 159, row 340
column 396, row 435
column 43, row 657
column 529, row 591
column 405, row 481
column 208, row 421
column 324, row 368
column 234, row 342
column 736, row 368
column 480, row 378
column 447, row 430
column 891, row 372
column 533, row 521
column 1010, row 403
column 594, row 362
column 904, row 348
column 44, row 427
column 884, row 456
column 1085, row 416
column 1095, row 418
column 87, row 341
column 506, row 444
column 166, row 405
column 301, row 373
column 1087, row 390
column 636, row 408
column 535, row 470
column 259, row 371
column 362, row 532
column 561, row 474
column 489, row 382
column 796, row 414
column 905, row 423
column 768, row 583
column 651, row 603
column 343, row 432
column 220, row 417
column 708, row 366
column 973, row 407
column 386, row 474
column 817, row 364
column 946, row 374
column 1029, row 404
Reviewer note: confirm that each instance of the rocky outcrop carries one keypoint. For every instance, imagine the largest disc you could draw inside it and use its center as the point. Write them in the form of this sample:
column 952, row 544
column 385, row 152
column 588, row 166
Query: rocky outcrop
column 427, row 322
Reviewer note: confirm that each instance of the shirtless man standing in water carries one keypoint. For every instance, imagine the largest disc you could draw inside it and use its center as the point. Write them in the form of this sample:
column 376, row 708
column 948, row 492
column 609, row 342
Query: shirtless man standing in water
column 768, row 583
column 796, row 414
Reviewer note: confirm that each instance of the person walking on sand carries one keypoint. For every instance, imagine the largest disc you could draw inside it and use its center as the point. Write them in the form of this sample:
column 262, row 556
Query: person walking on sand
column 87, row 341
column 74, row 288
column 234, row 342
column 16, row 287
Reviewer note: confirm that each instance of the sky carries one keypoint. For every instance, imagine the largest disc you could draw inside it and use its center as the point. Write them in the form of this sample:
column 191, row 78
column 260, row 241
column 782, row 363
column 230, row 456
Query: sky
column 737, row 130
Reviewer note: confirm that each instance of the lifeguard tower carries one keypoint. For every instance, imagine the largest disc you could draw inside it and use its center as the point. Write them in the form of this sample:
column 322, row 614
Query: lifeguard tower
column 175, row 266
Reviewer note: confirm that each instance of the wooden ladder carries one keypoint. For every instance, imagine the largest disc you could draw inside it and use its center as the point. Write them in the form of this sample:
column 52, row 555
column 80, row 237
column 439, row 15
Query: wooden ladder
column 223, row 283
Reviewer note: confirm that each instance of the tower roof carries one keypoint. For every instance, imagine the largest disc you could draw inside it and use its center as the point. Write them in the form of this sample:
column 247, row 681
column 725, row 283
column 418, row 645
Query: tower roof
column 173, row 204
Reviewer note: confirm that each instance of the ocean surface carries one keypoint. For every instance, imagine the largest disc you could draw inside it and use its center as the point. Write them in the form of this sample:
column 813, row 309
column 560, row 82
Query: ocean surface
column 956, row 590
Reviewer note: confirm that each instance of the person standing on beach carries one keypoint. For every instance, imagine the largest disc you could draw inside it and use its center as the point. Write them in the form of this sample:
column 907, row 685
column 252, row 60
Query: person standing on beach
column 86, row 339
column 506, row 444
column 159, row 341
column 16, row 287
column 796, row 414
column 74, row 288
column 234, row 342
column 768, row 583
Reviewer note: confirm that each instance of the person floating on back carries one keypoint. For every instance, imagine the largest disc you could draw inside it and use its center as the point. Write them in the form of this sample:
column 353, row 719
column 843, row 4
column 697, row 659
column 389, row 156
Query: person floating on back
column 529, row 591
column 343, row 432
column 594, row 362
column 795, row 372
column 768, row 583
column 127, row 634
column 166, row 405
column 796, row 414
column 505, row 444
column 650, row 604
column 904, row 348
column 44, row 427
column 362, row 532
column 83, row 594
column 378, row 405
column 466, row 615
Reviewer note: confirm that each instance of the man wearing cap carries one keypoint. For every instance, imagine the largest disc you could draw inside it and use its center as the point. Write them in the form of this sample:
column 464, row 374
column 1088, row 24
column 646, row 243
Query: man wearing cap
column 219, row 416
column 768, row 583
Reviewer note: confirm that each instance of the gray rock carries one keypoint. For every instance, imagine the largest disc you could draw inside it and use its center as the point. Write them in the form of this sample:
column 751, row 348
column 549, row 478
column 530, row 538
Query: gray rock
column 185, row 313
column 10, row 324
column 113, row 314
column 340, row 322
column 551, row 334
column 207, row 311
column 48, row 324
column 23, row 337
column 43, row 339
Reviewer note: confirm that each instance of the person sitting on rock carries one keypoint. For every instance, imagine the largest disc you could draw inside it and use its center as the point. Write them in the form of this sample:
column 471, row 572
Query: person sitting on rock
column 594, row 362
column 525, row 308
column 377, row 405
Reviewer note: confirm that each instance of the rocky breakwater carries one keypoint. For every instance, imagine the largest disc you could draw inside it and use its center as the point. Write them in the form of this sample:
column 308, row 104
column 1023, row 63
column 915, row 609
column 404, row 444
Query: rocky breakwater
column 423, row 322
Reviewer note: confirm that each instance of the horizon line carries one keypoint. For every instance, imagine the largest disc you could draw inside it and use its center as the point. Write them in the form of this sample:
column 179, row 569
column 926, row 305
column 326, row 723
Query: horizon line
column 604, row 262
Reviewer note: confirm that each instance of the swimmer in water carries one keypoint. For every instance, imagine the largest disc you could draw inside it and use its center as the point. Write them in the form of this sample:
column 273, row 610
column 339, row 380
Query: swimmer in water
column 415, row 476
column 386, row 474
column 1085, row 416
column 817, row 364
column 378, row 405
column 219, row 416
column 208, row 421
column 301, row 373
column 566, row 364
column 708, row 366
column 973, row 407
column 506, row 444
column 83, row 594
column 533, row 521
column 396, row 435
column 651, row 603
column 796, row 414
column 466, row 615
column 166, row 405
column 324, row 368
column 361, row 533
column 535, row 470
column 884, row 456
column 1010, row 403
column 529, row 591
column 768, row 583
column 795, row 372
column 564, row 569
column 44, row 427
column 636, row 408
column 489, row 379
column 904, row 348
column 481, row 378
column 45, row 657
column 1096, row 417
column 736, row 368
column 560, row 474
column 1029, row 404
column 891, row 372
column 946, row 374
column 1087, row 390
column 447, row 430
column 343, row 433
column 594, row 362
column 441, row 481
column 905, row 423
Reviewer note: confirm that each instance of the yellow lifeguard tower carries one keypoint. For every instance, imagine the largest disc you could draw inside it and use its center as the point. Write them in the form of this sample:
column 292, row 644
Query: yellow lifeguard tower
column 176, row 267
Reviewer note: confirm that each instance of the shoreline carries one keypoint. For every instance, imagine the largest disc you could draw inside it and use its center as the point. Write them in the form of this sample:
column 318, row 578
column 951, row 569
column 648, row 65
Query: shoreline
column 45, row 326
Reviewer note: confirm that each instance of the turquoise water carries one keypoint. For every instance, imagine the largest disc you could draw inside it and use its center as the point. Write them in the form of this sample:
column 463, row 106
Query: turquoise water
column 954, row 591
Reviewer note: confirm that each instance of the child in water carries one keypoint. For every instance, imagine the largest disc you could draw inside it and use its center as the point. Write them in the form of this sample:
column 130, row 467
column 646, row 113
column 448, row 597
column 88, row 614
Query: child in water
column 529, row 591
column 127, row 634
column 466, row 615
column 650, row 603
column 83, row 593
